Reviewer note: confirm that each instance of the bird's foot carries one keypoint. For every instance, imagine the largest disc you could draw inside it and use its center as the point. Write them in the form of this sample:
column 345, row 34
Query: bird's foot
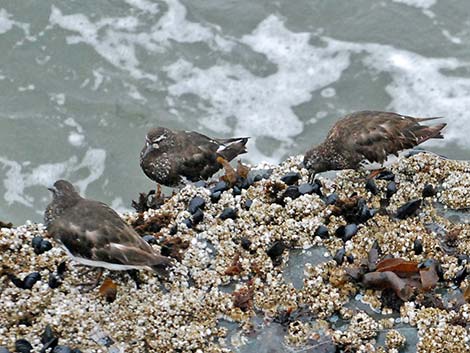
column 158, row 192
column 230, row 174
column 311, row 178
column 89, row 286
column 134, row 274
column 375, row 172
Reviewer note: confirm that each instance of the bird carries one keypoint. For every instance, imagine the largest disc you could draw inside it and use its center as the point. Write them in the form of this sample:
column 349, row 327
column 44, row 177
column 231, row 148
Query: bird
column 369, row 139
column 172, row 157
column 93, row 234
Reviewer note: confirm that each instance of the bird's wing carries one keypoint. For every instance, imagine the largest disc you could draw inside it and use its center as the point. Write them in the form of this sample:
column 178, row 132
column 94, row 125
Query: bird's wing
column 94, row 231
column 376, row 135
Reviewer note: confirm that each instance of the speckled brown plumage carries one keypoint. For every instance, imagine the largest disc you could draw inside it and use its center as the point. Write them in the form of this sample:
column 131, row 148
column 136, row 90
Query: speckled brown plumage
column 170, row 156
column 368, row 136
column 93, row 234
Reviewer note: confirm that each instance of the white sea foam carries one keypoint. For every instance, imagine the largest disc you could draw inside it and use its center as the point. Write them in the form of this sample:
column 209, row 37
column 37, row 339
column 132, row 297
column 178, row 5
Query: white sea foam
column 263, row 106
column 6, row 23
column 116, row 38
column 423, row 4
column 231, row 99
column 20, row 177
column 144, row 5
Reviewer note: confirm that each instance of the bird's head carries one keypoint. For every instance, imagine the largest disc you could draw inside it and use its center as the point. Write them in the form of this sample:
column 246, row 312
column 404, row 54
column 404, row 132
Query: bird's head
column 315, row 163
column 63, row 189
column 156, row 139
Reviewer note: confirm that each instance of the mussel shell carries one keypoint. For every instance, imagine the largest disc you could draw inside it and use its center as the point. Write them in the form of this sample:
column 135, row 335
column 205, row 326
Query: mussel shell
column 321, row 231
column 372, row 187
column 23, row 346
column 196, row 203
column 228, row 212
column 408, row 209
column 276, row 249
column 31, row 279
column 291, row 178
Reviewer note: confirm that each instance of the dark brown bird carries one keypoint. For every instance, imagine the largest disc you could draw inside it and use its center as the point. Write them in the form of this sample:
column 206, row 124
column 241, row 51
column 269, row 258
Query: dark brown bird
column 368, row 139
column 169, row 157
column 93, row 234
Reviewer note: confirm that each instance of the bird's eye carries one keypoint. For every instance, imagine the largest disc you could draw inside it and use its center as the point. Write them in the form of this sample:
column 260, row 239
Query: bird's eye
column 155, row 145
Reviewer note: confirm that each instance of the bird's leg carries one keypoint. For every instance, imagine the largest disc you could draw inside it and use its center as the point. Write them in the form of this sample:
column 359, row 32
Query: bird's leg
column 375, row 172
column 230, row 174
column 134, row 274
column 158, row 192
column 311, row 178
column 88, row 286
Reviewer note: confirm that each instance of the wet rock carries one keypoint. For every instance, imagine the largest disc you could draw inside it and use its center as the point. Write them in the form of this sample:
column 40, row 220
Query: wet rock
column 386, row 175
column 150, row 239
column 339, row 256
column 62, row 349
column 372, row 187
column 248, row 204
column 292, row 191
column 76, row 350
column 391, row 189
column 54, row 281
column 429, row 191
column 228, row 213
column 321, row 231
column 291, row 178
column 198, row 216
column 4, row 349
column 346, row 232
column 258, row 174
column 306, row 188
column 408, row 209
column 195, row 204
column 31, row 279
column 331, row 199
column 23, row 346
column 418, row 246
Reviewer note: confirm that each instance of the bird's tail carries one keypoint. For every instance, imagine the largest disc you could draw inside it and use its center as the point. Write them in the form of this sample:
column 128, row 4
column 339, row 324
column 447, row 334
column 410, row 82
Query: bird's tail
column 431, row 132
column 232, row 147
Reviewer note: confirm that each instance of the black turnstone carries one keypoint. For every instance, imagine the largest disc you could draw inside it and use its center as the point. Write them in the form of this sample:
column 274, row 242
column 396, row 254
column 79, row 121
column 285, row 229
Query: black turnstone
column 368, row 139
column 94, row 235
column 169, row 157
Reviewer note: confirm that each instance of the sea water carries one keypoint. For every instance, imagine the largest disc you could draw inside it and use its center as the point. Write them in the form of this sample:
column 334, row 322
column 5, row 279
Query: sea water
column 82, row 81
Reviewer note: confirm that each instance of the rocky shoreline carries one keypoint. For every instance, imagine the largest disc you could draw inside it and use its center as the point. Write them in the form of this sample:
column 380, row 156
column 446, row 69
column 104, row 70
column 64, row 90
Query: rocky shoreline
column 272, row 261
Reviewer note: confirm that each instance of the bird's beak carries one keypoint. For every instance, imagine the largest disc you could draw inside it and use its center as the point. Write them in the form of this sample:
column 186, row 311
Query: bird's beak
column 148, row 149
column 52, row 189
